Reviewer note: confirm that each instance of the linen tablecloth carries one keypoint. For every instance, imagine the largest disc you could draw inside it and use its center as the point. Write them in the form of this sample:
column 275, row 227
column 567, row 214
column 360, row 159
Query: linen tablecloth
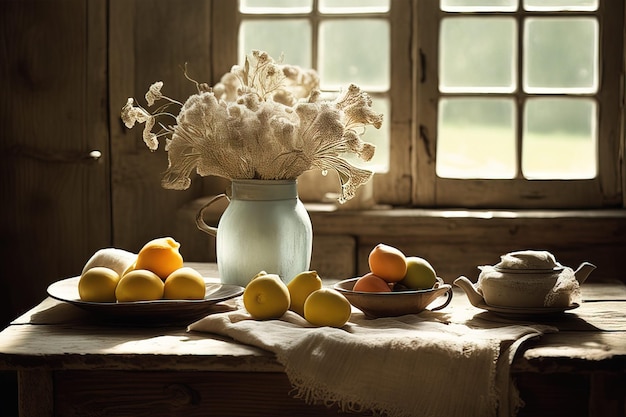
column 437, row 364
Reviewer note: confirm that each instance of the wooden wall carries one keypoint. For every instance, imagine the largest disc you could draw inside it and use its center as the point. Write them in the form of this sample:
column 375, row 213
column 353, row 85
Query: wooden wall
column 150, row 40
column 55, row 206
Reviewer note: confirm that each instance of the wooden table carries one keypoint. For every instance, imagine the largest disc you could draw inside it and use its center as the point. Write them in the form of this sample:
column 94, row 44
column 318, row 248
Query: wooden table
column 70, row 365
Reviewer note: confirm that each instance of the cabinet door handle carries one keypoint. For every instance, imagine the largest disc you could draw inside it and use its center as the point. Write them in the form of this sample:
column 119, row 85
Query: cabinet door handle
column 55, row 156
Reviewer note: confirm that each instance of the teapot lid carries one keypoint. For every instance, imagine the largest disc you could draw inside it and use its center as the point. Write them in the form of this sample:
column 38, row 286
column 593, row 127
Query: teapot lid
column 528, row 260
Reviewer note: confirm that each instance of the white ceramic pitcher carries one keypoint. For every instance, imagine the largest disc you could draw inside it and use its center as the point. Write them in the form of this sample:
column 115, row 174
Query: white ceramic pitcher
column 264, row 228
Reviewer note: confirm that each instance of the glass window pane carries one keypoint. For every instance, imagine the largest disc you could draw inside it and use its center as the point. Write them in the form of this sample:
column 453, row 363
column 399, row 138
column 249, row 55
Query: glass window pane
column 476, row 138
column 560, row 139
column 275, row 6
column 478, row 54
column 354, row 51
column 561, row 55
column 290, row 37
column 561, row 5
column 478, row 5
column 353, row 6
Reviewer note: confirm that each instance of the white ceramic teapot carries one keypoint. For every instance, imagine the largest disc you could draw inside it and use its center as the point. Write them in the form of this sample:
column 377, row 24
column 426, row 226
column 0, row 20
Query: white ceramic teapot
column 526, row 279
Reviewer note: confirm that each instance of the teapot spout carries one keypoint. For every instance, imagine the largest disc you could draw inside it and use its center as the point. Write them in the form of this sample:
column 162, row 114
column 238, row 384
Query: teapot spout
column 583, row 271
column 475, row 298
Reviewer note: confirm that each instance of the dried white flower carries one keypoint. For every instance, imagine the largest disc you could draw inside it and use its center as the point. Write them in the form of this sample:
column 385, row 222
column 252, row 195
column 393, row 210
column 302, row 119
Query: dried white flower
column 132, row 114
column 263, row 120
column 148, row 137
column 154, row 93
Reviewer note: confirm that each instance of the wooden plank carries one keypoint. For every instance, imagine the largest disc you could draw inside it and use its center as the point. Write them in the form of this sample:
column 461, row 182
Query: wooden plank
column 35, row 393
column 333, row 256
column 143, row 51
column 424, row 140
column 394, row 187
column 574, row 351
column 179, row 393
column 607, row 395
column 457, row 241
column 553, row 395
column 56, row 202
column 611, row 135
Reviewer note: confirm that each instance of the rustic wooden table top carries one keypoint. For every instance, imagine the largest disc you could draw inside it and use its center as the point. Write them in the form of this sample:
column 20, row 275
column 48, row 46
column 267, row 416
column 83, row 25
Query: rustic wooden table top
column 58, row 335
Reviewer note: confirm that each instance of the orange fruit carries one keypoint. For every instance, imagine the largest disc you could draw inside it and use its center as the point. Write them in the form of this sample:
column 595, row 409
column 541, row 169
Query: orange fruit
column 387, row 262
column 160, row 256
column 371, row 283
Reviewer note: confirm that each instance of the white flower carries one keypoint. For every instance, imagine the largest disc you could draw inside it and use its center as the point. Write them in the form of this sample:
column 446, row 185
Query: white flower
column 263, row 120
column 132, row 114
column 154, row 93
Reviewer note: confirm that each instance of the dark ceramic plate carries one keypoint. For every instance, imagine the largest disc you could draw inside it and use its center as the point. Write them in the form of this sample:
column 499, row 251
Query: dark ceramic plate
column 158, row 311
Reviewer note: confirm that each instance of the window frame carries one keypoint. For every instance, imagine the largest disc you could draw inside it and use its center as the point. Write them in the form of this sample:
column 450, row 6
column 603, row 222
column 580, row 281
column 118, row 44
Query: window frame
column 603, row 191
column 414, row 95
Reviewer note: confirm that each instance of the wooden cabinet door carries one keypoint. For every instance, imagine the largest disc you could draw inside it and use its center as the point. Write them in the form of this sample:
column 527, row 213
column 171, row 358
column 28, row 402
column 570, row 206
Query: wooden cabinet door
column 55, row 194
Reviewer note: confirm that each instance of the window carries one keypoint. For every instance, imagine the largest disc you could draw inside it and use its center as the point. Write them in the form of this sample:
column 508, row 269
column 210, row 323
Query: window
column 366, row 42
column 345, row 41
column 487, row 103
column 520, row 103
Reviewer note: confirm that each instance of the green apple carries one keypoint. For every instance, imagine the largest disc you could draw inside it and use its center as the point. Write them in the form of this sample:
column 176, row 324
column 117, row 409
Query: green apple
column 419, row 274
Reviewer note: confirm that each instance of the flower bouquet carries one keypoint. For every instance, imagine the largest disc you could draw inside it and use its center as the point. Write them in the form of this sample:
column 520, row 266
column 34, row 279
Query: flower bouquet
column 263, row 120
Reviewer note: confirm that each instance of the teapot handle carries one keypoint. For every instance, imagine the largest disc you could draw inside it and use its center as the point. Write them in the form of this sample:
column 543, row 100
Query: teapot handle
column 448, row 294
column 200, row 216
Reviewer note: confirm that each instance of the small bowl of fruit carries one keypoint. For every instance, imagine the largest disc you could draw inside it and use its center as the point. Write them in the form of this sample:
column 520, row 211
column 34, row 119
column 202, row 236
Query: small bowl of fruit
column 396, row 285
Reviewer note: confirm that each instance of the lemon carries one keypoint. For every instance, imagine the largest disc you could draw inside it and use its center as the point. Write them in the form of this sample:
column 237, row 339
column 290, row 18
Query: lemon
column 98, row 284
column 266, row 297
column 419, row 274
column 327, row 307
column 139, row 285
column 300, row 287
column 160, row 256
column 184, row 284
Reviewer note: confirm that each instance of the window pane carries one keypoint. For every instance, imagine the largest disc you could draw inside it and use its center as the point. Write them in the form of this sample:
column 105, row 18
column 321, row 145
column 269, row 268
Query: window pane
column 478, row 54
column 561, row 55
column 476, row 138
column 379, row 137
column 291, row 37
column 559, row 139
column 275, row 6
column 478, row 5
column 353, row 6
column 561, row 5
column 354, row 51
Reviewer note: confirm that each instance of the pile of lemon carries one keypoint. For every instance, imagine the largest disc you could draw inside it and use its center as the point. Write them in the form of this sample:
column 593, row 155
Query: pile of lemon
column 156, row 272
column 268, row 297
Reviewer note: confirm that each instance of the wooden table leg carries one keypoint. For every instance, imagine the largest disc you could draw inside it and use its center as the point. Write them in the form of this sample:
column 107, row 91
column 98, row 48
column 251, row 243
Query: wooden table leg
column 607, row 397
column 35, row 391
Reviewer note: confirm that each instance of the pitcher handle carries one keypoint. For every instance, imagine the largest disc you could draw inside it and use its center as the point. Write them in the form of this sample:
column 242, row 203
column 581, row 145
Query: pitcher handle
column 448, row 288
column 200, row 216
